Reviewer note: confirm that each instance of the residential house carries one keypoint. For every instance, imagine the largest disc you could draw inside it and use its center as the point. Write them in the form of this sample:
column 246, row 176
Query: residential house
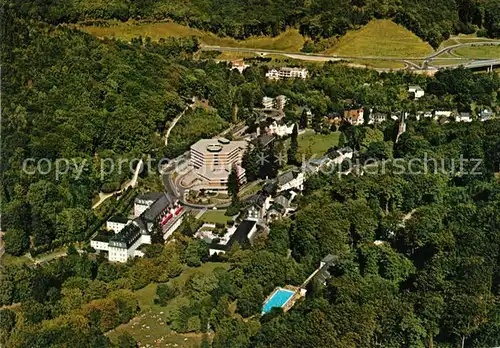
column 354, row 116
column 309, row 117
column 290, row 180
column 279, row 102
column 326, row 263
column 263, row 141
column 338, row 156
column 485, row 115
column 239, row 65
column 314, row 165
column 270, row 188
column 280, row 130
column 423, row 114
column 281, row 206
column 463, row 117
column 377, row 117
column 274, row 213
column 332, row 119
column 260, row 203
column 416, row 91
column 442, row 113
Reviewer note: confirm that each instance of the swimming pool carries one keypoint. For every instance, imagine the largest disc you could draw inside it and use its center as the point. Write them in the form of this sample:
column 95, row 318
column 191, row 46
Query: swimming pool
column 278, row 300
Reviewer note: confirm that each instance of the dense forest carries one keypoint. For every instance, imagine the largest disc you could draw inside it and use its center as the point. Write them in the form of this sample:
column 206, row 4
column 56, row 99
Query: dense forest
column 433, row 21
column 431, row 279
column 66, row 94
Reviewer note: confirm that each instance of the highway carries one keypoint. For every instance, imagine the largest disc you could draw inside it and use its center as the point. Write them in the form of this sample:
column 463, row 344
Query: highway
column 408, row 61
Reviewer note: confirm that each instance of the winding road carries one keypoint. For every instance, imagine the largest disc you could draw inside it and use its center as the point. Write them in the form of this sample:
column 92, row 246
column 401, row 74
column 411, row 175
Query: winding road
column 174, row 122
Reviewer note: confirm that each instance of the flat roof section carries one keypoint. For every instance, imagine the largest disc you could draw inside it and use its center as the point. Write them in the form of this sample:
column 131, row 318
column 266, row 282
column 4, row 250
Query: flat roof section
column 221, row 146
column 119, row 218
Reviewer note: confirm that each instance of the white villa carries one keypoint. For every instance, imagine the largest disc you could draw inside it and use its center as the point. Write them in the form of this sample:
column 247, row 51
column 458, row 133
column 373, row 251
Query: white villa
column 285, row 73
column 417, row 91
column 280, row 130
column 125, row 236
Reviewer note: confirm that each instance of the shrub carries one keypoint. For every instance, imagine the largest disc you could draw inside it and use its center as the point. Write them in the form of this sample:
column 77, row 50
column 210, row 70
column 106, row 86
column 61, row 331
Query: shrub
column 232, row 210
column 109, row 187
column 482, row 33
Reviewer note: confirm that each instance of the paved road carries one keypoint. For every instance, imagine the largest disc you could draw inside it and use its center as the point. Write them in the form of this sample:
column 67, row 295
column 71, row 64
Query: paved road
column 174, row 122
column 300, row 55
column 406, row 60
column 131, row 183
column 450, row 49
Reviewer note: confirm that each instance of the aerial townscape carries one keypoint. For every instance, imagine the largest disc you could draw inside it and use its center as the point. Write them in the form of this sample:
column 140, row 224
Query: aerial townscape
column 250, row 174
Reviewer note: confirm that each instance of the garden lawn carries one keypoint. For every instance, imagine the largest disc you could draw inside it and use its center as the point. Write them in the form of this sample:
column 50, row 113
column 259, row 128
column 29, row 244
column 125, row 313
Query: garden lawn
column 311, row 143
column 215, row 216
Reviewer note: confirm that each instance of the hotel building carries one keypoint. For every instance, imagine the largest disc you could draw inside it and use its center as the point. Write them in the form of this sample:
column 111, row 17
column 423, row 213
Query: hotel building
column 213, row 160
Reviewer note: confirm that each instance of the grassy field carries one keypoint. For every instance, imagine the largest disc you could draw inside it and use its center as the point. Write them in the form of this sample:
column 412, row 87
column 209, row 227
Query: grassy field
column 446, row 62
column 311, row 143
column 381, row 38
column 462, row 38
column 378, row 64
column 215, row 216
column 290, row 40
column 479, row 52
column 149, row 328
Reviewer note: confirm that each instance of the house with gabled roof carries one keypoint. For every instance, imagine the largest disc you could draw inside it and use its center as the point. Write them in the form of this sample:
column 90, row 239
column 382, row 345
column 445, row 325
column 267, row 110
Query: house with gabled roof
column 290, row 180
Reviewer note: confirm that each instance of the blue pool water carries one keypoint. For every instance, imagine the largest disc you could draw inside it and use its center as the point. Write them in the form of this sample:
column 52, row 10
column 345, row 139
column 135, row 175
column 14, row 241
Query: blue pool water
column 278, row 299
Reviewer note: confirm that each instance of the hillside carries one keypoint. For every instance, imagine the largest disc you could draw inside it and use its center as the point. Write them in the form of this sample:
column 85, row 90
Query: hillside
column 432, row 20
column 290, row 40
column 381, row 38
